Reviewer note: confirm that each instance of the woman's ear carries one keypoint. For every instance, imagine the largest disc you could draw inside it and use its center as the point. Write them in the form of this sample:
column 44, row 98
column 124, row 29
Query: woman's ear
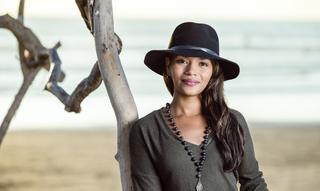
column 168, row 70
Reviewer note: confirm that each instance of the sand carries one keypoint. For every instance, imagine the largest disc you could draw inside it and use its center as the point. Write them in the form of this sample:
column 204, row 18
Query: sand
column 84, row 160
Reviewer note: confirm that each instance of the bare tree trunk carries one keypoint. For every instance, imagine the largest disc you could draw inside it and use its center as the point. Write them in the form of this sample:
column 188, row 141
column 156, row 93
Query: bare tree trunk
column 116, row 84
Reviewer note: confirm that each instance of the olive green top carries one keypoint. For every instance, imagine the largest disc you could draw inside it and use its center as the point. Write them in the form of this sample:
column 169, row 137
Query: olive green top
column 160, row 162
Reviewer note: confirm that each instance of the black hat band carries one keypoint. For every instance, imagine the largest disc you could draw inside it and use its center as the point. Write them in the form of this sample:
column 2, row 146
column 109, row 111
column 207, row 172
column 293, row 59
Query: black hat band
column 194, row 48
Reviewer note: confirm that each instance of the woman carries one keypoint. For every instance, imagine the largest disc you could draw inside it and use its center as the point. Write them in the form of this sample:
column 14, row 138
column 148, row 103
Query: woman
column 196, row 142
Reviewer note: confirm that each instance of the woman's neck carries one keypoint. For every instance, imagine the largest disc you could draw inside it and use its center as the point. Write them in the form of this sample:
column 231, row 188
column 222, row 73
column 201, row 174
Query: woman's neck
column 188, row 106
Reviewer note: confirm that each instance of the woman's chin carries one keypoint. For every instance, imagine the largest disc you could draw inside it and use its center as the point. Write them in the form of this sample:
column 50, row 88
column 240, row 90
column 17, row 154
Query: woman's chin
column 190, row 94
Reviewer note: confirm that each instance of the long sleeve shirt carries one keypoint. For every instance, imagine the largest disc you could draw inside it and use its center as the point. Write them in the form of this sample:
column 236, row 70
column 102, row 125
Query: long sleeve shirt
column 160, row 162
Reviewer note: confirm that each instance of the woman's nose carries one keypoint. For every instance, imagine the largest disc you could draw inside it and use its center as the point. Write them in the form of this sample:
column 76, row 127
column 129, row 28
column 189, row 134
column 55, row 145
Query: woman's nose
column 191, row 69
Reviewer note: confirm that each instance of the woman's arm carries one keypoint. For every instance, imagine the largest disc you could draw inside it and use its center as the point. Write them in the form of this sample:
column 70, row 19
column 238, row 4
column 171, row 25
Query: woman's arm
column 144, row 173
column 250, row 177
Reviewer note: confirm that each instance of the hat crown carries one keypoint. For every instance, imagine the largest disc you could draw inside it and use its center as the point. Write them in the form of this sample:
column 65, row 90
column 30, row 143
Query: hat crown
column 195, row 34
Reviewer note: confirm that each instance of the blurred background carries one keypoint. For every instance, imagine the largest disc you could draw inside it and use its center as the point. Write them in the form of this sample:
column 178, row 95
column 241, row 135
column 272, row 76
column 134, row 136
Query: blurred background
column 275, row 42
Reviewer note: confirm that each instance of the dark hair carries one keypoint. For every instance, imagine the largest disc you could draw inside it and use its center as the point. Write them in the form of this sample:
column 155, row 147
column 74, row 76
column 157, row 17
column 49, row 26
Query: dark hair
column 228, row 131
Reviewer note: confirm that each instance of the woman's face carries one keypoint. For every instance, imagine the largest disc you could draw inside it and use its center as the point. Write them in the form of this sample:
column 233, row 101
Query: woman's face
column 190, row 75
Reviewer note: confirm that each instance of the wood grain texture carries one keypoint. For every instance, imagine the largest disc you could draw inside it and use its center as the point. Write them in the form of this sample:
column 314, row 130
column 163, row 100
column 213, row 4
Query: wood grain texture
column 116, row 84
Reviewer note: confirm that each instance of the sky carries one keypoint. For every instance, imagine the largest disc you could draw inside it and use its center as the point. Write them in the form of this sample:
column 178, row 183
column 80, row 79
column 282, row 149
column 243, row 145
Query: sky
column 226, row 10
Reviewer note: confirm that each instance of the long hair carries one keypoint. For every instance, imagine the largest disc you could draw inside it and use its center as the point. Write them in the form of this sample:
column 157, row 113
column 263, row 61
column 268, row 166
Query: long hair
column 228, row 132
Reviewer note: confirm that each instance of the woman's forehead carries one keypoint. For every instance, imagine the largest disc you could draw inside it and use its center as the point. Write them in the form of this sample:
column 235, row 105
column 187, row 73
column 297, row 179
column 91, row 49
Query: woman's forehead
column 190, row 57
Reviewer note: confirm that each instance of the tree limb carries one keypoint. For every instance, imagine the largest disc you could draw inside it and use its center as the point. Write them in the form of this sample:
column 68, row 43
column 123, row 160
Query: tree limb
column 33, row 57
column 25, row 36
column 116, row 84
column 86, row 10
column 85, row 87
column 52, row 85
column 28, row 76
column 36, row 54
column 16, row 103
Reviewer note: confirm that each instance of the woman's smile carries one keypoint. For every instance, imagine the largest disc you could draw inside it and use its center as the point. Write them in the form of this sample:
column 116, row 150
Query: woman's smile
column 190, row 82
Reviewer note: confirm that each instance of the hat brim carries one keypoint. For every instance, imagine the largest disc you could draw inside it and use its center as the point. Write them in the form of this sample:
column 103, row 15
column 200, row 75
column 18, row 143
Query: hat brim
column 155, row 60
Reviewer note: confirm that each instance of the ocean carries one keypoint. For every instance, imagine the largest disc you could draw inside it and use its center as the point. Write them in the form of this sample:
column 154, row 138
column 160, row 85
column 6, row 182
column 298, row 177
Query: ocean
column 279, row 81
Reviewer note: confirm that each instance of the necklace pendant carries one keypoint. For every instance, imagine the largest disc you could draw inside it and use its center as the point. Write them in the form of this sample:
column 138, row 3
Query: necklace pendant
column 199, row 186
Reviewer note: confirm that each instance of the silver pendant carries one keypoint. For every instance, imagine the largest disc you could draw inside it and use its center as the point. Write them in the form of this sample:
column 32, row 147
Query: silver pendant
column 199, row 186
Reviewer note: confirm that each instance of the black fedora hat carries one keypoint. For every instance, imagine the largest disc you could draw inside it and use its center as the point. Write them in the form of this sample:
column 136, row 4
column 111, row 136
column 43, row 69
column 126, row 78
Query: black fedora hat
column 192, row 40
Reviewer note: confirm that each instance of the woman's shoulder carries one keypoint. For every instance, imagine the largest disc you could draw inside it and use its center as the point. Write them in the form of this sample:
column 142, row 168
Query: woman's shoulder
column 148, row 120
column 240, row 118
column 237, row 113
column 149, row 125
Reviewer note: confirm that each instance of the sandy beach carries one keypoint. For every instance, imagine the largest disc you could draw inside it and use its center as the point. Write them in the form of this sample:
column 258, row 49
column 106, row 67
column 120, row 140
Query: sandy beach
column 84, row 160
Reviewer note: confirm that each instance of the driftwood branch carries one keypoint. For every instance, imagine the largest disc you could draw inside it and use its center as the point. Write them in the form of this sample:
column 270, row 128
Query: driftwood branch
column 36, row 54
column 98, row 17
column 33, row 57
column 116, row 84
column 90, row 83
column 86, row 10
column 99, row 20
column 25, row 36
column 16, row 103
column 28, row 75
column 52, row 85
column 85, row 87
column 83, row 6
column 72, row 102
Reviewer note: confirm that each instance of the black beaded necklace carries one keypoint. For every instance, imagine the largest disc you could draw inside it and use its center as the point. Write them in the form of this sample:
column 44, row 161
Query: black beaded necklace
column 198, row 164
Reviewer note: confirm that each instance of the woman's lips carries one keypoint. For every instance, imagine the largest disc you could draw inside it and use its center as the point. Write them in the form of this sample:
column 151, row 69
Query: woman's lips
column 190, row 82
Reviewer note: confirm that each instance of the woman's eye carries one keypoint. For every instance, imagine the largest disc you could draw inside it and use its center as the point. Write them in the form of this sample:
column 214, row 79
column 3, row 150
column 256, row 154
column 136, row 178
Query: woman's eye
column 181, row 61
column 203, row 64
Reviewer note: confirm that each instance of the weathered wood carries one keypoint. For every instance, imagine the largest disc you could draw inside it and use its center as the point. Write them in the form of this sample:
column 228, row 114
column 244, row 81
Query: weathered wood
column 33, row 57
column 23, row 53
column 31, row 46
column 16, row 103
column 84, row 11
column 28, row 76
column 21, row 11
column 52, row 86
column 36, row 54
column 116, row 84
column 84, row 88
column 89, row 84
column 25, row 36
